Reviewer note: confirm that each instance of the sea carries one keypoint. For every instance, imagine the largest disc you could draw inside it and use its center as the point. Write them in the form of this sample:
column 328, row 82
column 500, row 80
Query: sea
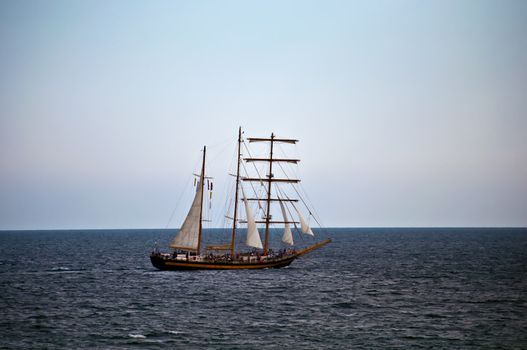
column 371, row 288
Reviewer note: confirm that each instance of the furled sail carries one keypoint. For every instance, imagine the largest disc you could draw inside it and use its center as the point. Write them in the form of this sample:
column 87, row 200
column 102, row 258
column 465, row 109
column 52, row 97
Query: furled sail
column 188, row 235
column 288, row 235
column 303, row 225
column 253, row 237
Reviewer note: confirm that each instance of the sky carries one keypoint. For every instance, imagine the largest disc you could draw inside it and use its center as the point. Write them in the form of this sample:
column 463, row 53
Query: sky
column 409, row 113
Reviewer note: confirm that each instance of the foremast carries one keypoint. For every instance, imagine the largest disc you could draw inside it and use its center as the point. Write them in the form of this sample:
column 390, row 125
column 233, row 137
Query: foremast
column 270, row 180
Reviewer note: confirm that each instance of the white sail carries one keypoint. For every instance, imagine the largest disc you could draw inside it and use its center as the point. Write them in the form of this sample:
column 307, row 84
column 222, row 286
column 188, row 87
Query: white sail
column 188, row 235
column 303, row 225
column 288, row 235
column 253, row 237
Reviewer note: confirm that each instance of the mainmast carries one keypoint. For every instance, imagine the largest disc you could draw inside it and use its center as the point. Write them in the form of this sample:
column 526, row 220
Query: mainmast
column 237, row 188
column 202, row 184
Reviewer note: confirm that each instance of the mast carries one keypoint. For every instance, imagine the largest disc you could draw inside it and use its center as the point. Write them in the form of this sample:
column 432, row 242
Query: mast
column 202, row 184
column 237, row 188
column 268, row 213
column 270, row 179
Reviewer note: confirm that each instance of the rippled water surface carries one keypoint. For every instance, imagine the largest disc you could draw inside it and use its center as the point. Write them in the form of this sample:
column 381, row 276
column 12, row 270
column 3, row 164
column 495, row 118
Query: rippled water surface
column 370, row 288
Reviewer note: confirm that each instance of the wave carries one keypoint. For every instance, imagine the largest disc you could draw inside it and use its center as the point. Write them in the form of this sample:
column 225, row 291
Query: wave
column 60, row 268
column 136, row 336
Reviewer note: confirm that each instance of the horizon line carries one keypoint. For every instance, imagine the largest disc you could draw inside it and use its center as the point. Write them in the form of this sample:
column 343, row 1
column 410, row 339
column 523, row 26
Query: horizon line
column 315, row 228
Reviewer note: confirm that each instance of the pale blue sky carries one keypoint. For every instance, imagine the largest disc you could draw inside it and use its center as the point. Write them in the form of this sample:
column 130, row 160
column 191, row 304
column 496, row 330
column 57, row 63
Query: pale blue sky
column 410, row 113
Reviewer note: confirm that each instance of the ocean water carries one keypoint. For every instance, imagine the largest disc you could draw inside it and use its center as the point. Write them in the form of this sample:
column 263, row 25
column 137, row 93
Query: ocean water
column 370, row 288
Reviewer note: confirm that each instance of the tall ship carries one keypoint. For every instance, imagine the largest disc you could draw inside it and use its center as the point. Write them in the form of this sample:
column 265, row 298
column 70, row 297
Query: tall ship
column 188, row 251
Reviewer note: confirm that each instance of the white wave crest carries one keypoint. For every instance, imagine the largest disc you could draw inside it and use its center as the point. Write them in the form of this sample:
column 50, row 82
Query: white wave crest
column 136, row 336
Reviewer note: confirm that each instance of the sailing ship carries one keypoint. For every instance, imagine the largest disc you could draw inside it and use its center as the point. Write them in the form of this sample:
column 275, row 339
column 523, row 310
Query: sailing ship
column 187, row 246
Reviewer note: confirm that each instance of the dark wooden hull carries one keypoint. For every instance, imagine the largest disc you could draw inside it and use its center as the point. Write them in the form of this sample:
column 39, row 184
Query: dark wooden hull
column 163, row 263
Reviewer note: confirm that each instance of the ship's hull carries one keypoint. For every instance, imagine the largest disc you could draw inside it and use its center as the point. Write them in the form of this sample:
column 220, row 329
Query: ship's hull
column 164, row 263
